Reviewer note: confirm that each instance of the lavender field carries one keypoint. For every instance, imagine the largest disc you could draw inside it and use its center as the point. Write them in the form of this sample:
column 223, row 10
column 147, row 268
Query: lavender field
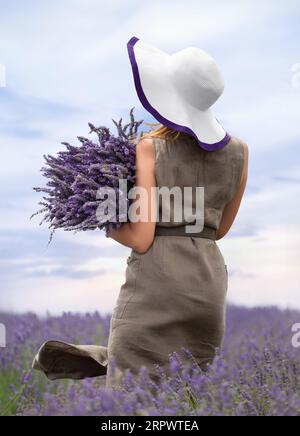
column 257, row 373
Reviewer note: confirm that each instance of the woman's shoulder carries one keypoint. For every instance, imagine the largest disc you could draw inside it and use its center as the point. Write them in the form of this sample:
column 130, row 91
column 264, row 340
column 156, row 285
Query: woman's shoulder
column 239, row 147
column 145, row 149
column 240, row 153
column 145, row 145
column 238, row 142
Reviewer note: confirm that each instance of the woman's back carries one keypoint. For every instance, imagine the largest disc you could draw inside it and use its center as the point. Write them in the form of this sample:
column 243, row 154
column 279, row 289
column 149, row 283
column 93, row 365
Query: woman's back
column 181, row 162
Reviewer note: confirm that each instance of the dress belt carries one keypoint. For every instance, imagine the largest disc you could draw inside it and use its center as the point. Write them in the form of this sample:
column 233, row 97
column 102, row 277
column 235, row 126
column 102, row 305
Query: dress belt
column 207, row 232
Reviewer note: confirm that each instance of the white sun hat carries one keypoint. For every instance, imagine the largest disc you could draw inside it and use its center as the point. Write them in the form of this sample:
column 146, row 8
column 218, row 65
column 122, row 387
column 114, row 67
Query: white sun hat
column 179, row 89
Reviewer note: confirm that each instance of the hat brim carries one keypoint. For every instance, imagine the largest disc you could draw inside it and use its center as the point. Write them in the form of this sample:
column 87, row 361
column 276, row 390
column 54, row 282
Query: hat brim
column 159, row 97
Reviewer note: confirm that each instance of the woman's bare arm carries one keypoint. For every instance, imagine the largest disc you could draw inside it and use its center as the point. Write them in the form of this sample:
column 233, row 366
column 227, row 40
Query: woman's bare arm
column 139, row 235
column 231, row 208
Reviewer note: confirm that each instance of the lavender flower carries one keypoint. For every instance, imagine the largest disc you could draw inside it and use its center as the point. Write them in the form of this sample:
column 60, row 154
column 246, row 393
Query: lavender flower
column 256, row 373
column 75, row 175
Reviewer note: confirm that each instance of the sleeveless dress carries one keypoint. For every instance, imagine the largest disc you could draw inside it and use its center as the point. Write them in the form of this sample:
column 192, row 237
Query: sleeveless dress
column 174, row 294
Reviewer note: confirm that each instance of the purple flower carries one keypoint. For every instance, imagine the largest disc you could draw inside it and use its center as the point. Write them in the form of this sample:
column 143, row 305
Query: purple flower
column 257, row 372
column 75, row 175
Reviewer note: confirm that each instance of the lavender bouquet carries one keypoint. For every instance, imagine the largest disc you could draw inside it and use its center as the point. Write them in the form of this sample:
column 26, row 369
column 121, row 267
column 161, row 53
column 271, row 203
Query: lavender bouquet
column 75, row 176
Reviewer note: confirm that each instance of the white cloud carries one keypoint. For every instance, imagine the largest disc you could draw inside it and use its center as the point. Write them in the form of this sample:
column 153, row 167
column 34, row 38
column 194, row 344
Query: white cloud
column 81, row 62
column 95, row 238
column 89, row 50
column 42, row 294
column 55, row 266
column 264, row 268
column 268, row 121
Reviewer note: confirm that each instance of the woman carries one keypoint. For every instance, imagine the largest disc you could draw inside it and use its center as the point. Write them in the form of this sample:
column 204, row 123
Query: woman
column 176, row 281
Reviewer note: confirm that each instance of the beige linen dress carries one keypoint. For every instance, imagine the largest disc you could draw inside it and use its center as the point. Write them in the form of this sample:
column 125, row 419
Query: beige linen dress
column 173, row 295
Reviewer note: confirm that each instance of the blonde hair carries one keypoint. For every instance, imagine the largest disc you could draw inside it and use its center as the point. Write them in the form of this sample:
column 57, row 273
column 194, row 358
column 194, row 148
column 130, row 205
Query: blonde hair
column 161, row 131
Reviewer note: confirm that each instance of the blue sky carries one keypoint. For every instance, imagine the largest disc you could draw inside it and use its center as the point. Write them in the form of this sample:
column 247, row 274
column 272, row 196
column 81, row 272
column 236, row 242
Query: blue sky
column 66, row 64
